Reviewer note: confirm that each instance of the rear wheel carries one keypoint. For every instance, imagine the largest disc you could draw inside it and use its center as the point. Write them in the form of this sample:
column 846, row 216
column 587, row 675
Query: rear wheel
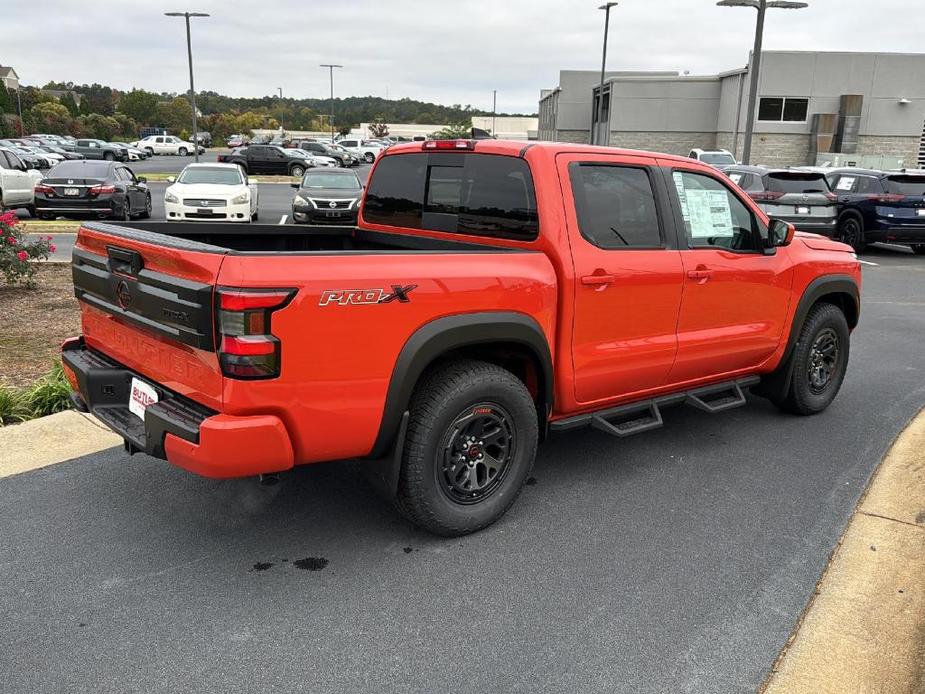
column 470, row 446
column 820, row 360
column 851, row 231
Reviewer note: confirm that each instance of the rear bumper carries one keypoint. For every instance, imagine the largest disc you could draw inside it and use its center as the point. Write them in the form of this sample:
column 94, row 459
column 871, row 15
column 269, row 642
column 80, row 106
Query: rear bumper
column 176, row 428
column 886, row 229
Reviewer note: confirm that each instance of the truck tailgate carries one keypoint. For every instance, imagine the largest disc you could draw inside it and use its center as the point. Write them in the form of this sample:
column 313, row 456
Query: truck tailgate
column 149, row 306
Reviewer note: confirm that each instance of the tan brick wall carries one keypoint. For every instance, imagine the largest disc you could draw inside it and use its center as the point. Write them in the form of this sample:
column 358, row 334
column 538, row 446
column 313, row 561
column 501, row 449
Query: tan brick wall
column 668, row 143
column 579, row 137
column 906, row 148
column 772, row 149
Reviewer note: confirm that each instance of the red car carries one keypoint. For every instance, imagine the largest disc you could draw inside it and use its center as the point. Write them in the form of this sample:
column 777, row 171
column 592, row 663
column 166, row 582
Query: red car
column 494, row 293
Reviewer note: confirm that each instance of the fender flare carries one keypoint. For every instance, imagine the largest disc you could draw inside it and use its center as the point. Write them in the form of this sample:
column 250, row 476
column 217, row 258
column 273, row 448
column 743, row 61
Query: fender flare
column 442, row 335
column 776, row 384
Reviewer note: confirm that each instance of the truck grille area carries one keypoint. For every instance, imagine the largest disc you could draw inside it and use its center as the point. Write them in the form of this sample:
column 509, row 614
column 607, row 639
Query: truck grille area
column 173, row 307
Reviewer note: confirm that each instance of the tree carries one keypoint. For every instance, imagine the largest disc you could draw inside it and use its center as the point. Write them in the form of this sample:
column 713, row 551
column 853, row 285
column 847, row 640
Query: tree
column 128, row 127
column 377, row 128
column 50, row 117
column 7, row 100
column 99, row 126
column 175, row 114
column 67, row 100
column 140, row 106
column 453, row 132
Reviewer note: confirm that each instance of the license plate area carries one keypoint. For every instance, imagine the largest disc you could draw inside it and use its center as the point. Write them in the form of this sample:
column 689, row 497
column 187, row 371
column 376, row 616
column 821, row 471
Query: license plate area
column 332, row 214
column 920, row 212
column 141, row 396
column 204, row 211
column 72, row 191
column 802, row 209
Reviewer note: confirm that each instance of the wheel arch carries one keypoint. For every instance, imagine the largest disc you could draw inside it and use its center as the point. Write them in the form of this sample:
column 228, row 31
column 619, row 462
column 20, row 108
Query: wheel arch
column 514, row 341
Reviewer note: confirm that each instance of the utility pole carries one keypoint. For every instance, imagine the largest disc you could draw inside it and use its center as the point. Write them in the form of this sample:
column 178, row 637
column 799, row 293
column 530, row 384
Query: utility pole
column 330, row 68
column 192, row 88
column 600, row 99
column 754, row 69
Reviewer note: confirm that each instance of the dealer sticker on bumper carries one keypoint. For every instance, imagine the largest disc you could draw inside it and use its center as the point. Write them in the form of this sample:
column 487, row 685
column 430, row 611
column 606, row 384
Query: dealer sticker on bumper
column 142, row 395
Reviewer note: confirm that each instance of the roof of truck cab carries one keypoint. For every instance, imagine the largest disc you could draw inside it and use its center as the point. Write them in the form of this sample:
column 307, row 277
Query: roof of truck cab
column 517, row 148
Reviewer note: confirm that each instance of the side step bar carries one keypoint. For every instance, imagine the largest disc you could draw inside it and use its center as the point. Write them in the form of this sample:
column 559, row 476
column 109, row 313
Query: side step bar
column 646, row 415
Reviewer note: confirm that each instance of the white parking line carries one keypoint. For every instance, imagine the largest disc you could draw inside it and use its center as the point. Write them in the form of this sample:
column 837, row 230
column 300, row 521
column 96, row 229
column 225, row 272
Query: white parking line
column 282, row 220
column 867, row 262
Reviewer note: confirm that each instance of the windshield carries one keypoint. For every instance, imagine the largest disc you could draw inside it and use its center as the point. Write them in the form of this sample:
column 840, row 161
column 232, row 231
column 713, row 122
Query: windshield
column 330, row 180
column 797, row 183
column 211, row 174
column 906, row 185
column 717, row 158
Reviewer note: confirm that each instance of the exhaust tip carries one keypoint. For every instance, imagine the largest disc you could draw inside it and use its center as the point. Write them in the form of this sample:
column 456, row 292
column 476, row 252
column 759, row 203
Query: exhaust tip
column 269, row 480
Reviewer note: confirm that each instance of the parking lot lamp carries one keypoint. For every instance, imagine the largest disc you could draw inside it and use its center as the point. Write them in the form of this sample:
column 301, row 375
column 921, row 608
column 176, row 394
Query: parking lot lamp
column 600, row 99
column 755, row 68
column 192, row 89
column 331, row 70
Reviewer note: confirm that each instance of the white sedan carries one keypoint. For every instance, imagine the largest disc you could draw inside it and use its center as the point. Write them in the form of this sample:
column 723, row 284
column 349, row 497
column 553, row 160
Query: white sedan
column 216, row 192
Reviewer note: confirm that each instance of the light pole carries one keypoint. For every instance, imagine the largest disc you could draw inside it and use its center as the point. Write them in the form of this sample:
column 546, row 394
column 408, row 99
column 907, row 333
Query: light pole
column 192, row 89
column 755, row 68
column 600, row 99
column 494, row 110
column 280, row 93
column 330, row 68
column 19, row 108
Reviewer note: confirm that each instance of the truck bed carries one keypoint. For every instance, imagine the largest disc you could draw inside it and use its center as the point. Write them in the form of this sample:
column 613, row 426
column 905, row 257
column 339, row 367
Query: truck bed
column 228, row 237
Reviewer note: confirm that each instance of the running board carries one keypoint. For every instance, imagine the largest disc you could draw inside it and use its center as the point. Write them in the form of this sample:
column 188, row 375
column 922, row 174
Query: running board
column 646, row 415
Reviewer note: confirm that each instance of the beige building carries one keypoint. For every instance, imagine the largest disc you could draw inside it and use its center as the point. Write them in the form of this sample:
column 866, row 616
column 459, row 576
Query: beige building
column 9, row 78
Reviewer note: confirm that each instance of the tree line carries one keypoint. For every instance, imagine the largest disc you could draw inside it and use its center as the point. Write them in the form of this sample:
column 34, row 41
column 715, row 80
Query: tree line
column 108, row 114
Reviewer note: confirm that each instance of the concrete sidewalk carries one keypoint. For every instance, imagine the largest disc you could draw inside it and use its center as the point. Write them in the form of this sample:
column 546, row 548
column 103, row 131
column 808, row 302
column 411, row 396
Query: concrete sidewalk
column 864, row 629
column 53, row 439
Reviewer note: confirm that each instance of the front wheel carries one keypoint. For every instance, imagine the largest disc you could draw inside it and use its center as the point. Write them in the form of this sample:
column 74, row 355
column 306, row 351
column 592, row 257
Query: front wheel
column 182, row 151
column 297, row 170
column 851, row 231
column 369, row 157
column 147, row 213
column 470, row 446
column 820, row 360
column 919, row 250
column 109, row 156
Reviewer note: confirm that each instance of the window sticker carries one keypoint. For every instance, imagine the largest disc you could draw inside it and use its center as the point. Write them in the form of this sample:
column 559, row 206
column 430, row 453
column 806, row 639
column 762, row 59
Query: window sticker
column 679, row 184
column 710, row 214
column 845, row 183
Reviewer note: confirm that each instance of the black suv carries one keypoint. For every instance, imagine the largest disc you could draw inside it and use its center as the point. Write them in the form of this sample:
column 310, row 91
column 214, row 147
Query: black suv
column 880, row 206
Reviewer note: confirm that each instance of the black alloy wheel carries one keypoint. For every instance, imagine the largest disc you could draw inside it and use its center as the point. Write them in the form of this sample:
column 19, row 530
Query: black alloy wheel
column 823, row 359
column 477, row 450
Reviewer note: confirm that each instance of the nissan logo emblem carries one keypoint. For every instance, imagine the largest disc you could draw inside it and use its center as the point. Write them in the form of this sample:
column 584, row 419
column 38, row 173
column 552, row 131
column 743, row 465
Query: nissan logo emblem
column 123, row 295
column 332, row 204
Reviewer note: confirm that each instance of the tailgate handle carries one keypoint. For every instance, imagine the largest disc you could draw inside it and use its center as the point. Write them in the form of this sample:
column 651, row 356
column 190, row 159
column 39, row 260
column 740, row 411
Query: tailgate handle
column 124, row 261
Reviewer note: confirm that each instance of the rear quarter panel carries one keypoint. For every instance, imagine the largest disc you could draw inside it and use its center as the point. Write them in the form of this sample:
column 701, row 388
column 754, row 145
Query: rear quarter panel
column 337, row 360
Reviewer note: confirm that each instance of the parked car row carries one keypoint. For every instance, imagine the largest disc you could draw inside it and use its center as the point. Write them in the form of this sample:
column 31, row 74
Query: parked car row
column 856, row 206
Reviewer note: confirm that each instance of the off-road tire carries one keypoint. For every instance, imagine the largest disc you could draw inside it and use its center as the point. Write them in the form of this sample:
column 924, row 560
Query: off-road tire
column 824, row 320
column 449, row 391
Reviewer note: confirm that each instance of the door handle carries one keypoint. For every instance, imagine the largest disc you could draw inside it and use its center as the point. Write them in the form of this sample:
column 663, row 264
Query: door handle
column 700, row 274
column 598, row 280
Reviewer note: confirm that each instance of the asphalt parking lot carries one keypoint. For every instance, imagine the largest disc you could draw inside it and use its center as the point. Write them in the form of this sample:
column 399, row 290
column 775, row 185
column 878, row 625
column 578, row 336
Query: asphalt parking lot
column 674, row 561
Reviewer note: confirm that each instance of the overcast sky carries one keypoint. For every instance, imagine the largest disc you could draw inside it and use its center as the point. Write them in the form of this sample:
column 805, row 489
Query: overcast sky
column 445, row 51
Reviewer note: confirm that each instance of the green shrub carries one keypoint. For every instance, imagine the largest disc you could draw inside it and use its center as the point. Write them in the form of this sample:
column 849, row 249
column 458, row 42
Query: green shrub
column 48, row 395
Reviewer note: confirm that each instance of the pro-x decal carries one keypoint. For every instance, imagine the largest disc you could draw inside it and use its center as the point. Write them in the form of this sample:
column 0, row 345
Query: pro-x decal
column 344, row 297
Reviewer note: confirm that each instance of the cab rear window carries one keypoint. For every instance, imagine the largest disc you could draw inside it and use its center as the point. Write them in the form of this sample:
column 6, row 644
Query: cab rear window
column 905, row 185
column 465, row 193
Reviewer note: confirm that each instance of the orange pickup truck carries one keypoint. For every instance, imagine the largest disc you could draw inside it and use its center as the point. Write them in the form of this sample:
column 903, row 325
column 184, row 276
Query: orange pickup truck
column 493, row 292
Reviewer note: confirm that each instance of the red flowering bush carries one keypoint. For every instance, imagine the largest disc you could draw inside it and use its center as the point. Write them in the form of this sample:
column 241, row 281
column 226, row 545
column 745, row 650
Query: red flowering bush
column 17, row 250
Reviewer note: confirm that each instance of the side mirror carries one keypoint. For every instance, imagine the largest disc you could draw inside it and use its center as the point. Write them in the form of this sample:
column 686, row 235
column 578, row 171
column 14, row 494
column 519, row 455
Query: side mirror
column 171, row 179
column 141, row 179
column 780, row 233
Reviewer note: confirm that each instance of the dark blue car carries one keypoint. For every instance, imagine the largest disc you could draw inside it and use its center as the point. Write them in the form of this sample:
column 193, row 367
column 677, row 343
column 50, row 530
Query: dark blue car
column 880, row 206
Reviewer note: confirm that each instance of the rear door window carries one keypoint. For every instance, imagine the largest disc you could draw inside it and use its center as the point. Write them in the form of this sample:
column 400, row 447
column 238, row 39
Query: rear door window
column 478, row 194
column 615, row 206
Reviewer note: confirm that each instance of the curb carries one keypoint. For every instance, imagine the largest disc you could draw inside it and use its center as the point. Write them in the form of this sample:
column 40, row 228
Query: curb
column 50, row 440
column 864, row 628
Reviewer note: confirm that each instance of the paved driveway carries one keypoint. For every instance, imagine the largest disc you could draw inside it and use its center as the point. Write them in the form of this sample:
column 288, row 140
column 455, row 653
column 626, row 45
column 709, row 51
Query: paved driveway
column 674, row 561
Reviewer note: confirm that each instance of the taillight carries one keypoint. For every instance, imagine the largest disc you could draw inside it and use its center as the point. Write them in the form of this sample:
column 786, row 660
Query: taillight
column 766, row 196
column 247, row 348
column 45, row 190
column 448, row 144
column 886, row 197
column 102, row 190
